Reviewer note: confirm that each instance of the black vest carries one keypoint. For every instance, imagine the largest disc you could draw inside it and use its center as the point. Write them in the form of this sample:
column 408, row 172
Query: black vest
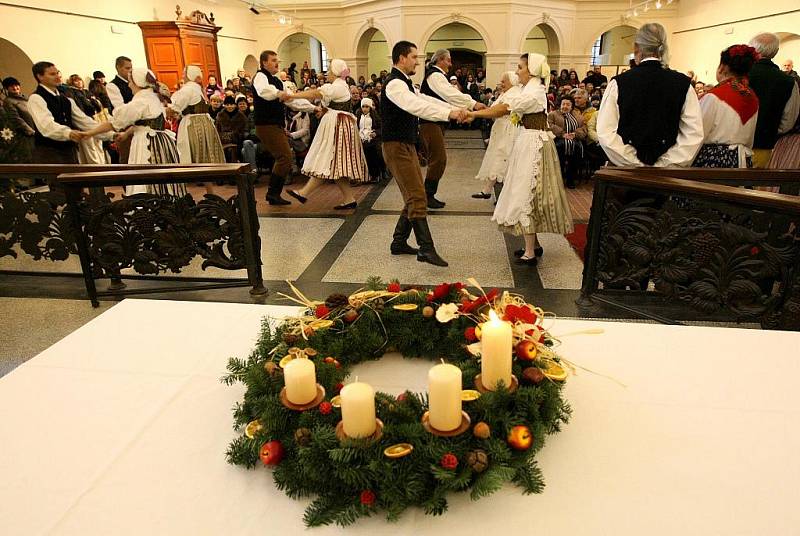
column 425, row 89
column 650, row 101
column 398, row 124
column 773, row 89
column 268, row 112
column 124, row 89
column 61, row 109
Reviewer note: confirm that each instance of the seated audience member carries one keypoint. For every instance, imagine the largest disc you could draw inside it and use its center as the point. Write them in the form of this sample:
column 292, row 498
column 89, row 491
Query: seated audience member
column 730, row 112
column 299, row 132
column 213, row 88
column 216, row 105
column 563, row 78
column 570, row 131
column 231, row 126
column 369, row 130
column 699, row 88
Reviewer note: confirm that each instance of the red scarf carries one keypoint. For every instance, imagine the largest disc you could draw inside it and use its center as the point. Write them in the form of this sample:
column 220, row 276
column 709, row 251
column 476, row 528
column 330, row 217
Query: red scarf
column 736, row 93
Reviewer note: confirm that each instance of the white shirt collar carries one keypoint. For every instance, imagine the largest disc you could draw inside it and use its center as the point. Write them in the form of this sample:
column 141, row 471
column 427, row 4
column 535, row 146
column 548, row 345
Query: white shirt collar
column 649, row 59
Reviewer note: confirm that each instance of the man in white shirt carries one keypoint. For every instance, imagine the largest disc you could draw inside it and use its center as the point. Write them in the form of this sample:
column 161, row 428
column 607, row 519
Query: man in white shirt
column 400, row 109
column 58, row 120
column 650, row 115
column 118, row 91
column 435, row 85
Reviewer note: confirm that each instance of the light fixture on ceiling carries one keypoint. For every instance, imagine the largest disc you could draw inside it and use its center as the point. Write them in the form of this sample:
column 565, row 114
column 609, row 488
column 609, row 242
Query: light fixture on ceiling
column 658, row 4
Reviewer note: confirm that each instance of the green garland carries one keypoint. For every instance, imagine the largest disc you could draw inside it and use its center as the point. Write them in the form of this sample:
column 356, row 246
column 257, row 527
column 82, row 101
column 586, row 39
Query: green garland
column 354, row 478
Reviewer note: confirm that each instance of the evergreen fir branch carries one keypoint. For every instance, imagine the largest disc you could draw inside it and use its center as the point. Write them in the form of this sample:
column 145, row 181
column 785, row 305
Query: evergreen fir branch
column 375, row 283
column 491, row 480
column 529, row 477
column 243, row 451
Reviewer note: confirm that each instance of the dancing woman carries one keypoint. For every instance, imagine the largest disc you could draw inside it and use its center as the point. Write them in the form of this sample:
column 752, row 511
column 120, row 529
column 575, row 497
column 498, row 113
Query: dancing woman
column 336, row 152
column 501, row 140
column 151, row 144
column 533, row 199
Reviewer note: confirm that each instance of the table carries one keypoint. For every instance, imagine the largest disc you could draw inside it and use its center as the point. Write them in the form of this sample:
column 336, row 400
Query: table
column 121, row 428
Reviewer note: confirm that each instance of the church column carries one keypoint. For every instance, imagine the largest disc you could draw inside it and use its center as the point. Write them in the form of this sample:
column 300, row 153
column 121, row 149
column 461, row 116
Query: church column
column 497, row 64
column 358, row 66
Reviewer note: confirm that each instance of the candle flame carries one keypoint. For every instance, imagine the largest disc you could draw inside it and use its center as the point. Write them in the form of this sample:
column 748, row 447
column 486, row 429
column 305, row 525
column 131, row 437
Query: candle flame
column 493, row 316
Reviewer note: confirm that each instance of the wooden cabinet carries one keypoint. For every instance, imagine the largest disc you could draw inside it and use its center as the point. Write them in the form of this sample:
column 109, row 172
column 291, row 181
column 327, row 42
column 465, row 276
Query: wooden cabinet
column 172, row 45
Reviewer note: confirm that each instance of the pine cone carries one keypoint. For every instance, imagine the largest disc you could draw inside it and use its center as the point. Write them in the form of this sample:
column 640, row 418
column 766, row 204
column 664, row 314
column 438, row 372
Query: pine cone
column 290, row 338
column 477, row 460
column 336, row 300
column 302, row 436
column 378, row 305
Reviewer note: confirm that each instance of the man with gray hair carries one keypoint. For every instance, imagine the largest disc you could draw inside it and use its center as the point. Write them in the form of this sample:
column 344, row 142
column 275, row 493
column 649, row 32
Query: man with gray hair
column 435, row 85
column 778, row 99
column 650, row 115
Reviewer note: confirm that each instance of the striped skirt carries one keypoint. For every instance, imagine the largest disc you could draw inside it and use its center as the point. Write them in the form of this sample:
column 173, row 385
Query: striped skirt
column 336, row 151
column 154, row 147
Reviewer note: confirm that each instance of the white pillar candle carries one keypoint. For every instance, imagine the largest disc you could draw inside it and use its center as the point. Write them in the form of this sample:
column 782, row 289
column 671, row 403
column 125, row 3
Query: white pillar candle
column 444, row 397
column 299, row 376
column 495, row 352
column 358, row 409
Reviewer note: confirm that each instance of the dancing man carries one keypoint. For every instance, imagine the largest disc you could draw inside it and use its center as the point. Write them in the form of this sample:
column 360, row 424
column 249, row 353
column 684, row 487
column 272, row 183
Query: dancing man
column 401, row 106
column 432, row 132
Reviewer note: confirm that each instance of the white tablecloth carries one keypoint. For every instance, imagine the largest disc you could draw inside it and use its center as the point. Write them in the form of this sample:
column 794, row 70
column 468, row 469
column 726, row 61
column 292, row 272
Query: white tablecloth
column 121, row 428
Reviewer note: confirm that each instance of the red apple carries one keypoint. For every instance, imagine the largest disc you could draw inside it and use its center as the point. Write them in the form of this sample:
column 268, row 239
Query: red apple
column 526, row 350
column 271, row 452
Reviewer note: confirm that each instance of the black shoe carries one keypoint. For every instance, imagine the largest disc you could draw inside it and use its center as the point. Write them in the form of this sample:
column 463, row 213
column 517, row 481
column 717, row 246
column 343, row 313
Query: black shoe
column 570, row 184
column 527, row 262
column 435, row 203
column 427, row 252
column 278, row 201
column 537, row 252
column 402, row 231
column 297, row 196
column 481, row 195
column 347, row 206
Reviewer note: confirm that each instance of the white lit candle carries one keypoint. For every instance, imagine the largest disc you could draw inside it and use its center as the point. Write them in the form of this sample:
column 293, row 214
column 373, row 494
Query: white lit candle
column 299, row 376
column 444, row 397
column 495, row 352
column 358, row 409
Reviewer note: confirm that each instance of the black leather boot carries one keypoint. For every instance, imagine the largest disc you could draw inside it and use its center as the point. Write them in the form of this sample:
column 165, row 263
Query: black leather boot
column 400, row 238
column 427, row 253
column 430, row 191
column 274, row 191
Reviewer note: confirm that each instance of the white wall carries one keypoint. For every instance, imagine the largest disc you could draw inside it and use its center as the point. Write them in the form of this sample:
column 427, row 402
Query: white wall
column 379, row 55
column 697, row 48
column 80, row 44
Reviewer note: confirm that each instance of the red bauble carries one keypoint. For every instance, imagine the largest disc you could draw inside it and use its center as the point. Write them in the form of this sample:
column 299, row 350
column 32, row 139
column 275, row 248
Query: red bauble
column 271, row 452
column 449, row 461
column 325, row 408
column 394, row 287
column 402, row 396
column 470, row 335
column 321, row 311
column 338, row 387
column 367, row 497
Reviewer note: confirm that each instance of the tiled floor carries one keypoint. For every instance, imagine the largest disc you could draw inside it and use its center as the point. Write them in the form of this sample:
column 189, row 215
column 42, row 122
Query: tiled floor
column 323, row 250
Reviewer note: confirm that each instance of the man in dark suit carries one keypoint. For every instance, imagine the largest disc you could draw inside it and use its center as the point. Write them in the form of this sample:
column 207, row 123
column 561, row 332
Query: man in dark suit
column 778, row 99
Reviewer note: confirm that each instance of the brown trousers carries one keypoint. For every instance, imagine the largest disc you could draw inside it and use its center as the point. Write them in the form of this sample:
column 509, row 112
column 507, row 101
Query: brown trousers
column 402, row 161
column 432, row 136
column 274, row 140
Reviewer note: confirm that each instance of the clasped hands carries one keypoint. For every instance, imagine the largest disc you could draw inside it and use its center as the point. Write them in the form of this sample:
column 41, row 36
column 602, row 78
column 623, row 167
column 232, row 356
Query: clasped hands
column 461, row 115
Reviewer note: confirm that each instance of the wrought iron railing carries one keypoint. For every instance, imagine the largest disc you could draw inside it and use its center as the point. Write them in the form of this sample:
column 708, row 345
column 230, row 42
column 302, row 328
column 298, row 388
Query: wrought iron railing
column 704, row 249
column 149, row 234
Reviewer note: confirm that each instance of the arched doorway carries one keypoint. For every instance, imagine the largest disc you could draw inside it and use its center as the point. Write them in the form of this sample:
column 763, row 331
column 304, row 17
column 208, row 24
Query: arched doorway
column 789, row 49
column 542, row 39
column 467, row 47
column 299, row 48
column 613, row 49
column 14, row 62
column 372, row 54
column 250, row 65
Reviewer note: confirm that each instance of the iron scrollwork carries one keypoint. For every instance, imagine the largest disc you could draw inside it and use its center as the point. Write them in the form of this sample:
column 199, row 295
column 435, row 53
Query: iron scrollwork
column 155, row 234
column 714, row 257
column 38, row 222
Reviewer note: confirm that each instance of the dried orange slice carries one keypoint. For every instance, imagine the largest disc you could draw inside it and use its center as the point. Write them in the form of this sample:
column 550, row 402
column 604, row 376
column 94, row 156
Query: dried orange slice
column 336, row 401
column 399, row 450
column 286, row 360
column 468, row 395
column 252, row 428
column 405, row 307
column 554, row 371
